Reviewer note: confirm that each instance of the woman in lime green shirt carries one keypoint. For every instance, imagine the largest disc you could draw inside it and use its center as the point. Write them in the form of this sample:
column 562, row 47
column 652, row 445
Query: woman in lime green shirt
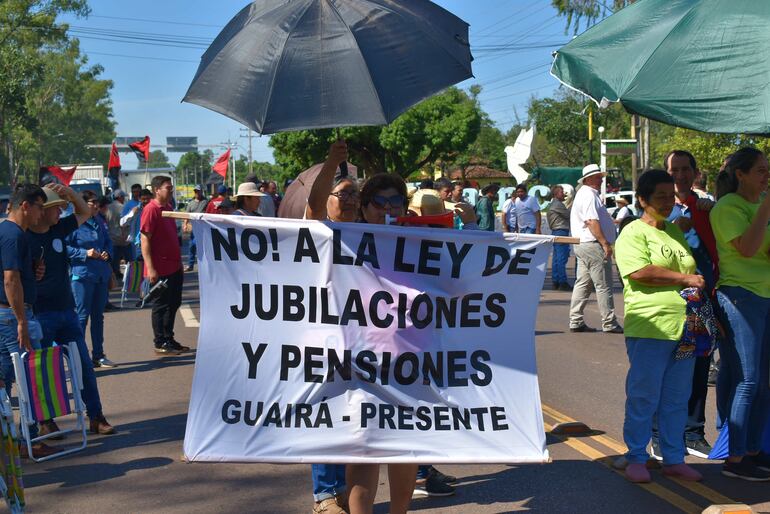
column 740, row 222
column 655, row 263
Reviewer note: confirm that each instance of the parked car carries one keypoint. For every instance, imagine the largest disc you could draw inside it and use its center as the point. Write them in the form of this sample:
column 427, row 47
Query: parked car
column 612, row 206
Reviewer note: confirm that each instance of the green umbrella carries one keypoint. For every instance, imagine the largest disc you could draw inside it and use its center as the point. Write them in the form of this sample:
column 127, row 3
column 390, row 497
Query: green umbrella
column 700, row 64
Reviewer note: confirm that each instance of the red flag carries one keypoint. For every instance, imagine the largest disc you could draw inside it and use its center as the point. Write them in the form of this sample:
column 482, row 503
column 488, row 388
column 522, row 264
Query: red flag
column 221, row 165
column 141, row 149
column 114, row 163
column 62, row 175
column 113, row 168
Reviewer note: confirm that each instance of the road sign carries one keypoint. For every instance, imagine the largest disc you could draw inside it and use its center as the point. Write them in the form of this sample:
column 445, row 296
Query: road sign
column 181, row 144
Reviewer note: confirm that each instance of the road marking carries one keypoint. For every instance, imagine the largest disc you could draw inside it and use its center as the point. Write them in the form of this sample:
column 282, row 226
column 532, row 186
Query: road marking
column 188, row 316
column 658, row 490
column 620, row 448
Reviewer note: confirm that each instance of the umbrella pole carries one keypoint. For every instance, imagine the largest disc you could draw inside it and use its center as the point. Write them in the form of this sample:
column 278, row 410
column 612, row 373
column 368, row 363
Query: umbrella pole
column 343, row 164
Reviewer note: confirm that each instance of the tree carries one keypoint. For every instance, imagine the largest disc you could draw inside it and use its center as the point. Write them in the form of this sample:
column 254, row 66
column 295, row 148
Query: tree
column 562, row 128
column 158, row 159
column 436, row 129
column 29, row 35
column 588, row 11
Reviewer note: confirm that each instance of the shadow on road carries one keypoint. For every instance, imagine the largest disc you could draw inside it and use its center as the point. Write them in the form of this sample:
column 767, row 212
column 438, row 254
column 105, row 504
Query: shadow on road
column 148, row 365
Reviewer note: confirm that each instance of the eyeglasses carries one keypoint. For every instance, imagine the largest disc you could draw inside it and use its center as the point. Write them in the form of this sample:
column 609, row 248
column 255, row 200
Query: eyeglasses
column 393, row 201
column 344, row 196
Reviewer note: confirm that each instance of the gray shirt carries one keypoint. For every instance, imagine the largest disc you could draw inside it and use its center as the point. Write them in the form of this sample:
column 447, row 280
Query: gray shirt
column 196, row 205
column 558, row 215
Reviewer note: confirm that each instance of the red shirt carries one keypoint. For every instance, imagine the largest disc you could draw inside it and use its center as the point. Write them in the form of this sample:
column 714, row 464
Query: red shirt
column 211, row 207
column 164, row 243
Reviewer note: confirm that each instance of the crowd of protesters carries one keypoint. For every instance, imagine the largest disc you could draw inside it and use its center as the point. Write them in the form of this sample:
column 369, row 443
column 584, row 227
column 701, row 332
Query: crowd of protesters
column 694, row 270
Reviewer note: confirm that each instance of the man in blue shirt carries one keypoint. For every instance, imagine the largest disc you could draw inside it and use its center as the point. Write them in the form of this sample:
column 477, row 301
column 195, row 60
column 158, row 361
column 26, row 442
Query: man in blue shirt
column 136, row 191
column 55, row 306
column 19, row 330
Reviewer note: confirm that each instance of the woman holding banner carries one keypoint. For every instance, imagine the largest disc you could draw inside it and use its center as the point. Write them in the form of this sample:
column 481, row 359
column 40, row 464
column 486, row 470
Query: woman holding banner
column 382, row 195
column 655, row 263
column 740, row 221
column 332, row 198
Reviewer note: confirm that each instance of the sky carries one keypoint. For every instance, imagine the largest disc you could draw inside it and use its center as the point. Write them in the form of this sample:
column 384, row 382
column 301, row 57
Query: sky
column 150, row 77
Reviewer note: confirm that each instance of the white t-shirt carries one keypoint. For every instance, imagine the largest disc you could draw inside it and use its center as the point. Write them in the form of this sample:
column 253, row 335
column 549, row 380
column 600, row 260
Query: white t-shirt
column 509, row 210
column 525, row 212
column 622, row 213
column 588, row 206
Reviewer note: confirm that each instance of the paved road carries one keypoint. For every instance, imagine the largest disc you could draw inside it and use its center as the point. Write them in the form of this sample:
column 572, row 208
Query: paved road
column 140, row 469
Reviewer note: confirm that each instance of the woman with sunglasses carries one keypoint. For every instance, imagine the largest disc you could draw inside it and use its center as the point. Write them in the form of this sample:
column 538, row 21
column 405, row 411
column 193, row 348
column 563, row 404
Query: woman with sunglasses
column 89, row 249
column 382, row 195
column 332, row 196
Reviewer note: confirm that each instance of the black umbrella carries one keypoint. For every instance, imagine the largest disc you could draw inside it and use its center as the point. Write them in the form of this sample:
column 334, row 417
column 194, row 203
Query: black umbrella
column 283, row 65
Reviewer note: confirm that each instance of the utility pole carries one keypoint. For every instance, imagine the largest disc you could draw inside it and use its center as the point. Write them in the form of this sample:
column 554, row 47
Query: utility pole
column 634, row 156
column 590, row 134
column 251, row 160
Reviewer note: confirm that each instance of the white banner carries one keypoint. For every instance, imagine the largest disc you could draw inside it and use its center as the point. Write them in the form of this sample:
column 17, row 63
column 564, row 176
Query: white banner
column 341, row 343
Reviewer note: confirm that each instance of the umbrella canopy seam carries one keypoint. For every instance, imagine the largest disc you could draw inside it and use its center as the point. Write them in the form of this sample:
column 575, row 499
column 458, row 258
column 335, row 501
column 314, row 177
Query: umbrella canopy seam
column 269, row 95
column 358, row 47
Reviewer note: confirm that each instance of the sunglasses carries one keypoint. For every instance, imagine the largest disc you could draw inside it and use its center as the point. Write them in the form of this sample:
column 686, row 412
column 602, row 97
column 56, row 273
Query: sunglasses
column 393, row 201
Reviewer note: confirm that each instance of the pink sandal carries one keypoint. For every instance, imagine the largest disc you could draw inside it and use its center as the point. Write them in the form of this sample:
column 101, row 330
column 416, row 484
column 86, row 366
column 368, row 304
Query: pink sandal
column 638, row 474
column 682, row 471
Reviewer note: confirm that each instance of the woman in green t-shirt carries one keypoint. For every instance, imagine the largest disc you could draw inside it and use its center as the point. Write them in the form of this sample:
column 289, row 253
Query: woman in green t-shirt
column 740, row 222
column 655, row 263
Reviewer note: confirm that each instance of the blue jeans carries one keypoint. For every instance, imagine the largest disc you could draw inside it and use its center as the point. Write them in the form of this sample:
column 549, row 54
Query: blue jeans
column 656, row 382
column 745, row 353
column 527, row 230
column 63, row 327
column 328, row 481
column 90, row 299
column 559, row 258
column 9, row 343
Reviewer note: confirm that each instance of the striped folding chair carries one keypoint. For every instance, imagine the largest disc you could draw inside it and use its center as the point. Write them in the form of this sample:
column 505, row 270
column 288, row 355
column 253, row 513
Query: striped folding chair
column 45, row 385
column 132, row 280
column 11, row 485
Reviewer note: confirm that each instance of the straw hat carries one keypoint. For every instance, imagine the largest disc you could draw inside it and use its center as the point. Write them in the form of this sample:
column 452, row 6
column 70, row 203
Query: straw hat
column 249, row 189
column 427, row 202
column 53, row 199
column 622, row 200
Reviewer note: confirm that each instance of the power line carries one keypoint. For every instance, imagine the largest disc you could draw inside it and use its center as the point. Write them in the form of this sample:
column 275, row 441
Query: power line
column 166, row 22
column 168, row 59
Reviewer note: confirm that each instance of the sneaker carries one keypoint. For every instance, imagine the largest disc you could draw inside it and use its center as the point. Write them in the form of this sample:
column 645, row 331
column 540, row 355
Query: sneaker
column 167, row 349
column 638, row 473
column 713, row 374
column 565, row 287
column 761, row 460
column 441, row 477
column 431, row 486
column 190, row 268
column 178, row 347
column 698, row 448
column 682, row 472
column 49, row 427
column 99, row 425
column 745, row 470
column 582, row 328
column 110, row 307
column 39, row 450
column 617, row 329
column 328, row 506
column 655, row 452
column 104, row 362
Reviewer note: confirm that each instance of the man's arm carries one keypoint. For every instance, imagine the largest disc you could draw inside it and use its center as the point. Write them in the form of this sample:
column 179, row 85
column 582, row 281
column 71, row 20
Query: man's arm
column 15, row 294
column 538, row 222
column 596, row 230
column 147, row 255
column 82, row 210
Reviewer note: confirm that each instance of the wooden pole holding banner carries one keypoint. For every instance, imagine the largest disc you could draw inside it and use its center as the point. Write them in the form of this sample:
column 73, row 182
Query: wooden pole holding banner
column 556, row 239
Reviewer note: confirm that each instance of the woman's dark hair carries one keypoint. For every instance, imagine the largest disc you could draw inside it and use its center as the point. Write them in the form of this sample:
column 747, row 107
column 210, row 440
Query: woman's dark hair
column 522, row 187
column 649, row 180
column 88, row 195
column 727, row 180
column 380, row 182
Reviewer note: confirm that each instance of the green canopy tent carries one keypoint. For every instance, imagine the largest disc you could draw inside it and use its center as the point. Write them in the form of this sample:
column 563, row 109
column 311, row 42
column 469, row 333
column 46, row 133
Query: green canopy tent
column 700, row 64
column 550, row 175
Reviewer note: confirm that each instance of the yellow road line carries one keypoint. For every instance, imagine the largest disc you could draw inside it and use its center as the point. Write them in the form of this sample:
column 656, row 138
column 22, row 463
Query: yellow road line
column 617, row 446
column 658, row 490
